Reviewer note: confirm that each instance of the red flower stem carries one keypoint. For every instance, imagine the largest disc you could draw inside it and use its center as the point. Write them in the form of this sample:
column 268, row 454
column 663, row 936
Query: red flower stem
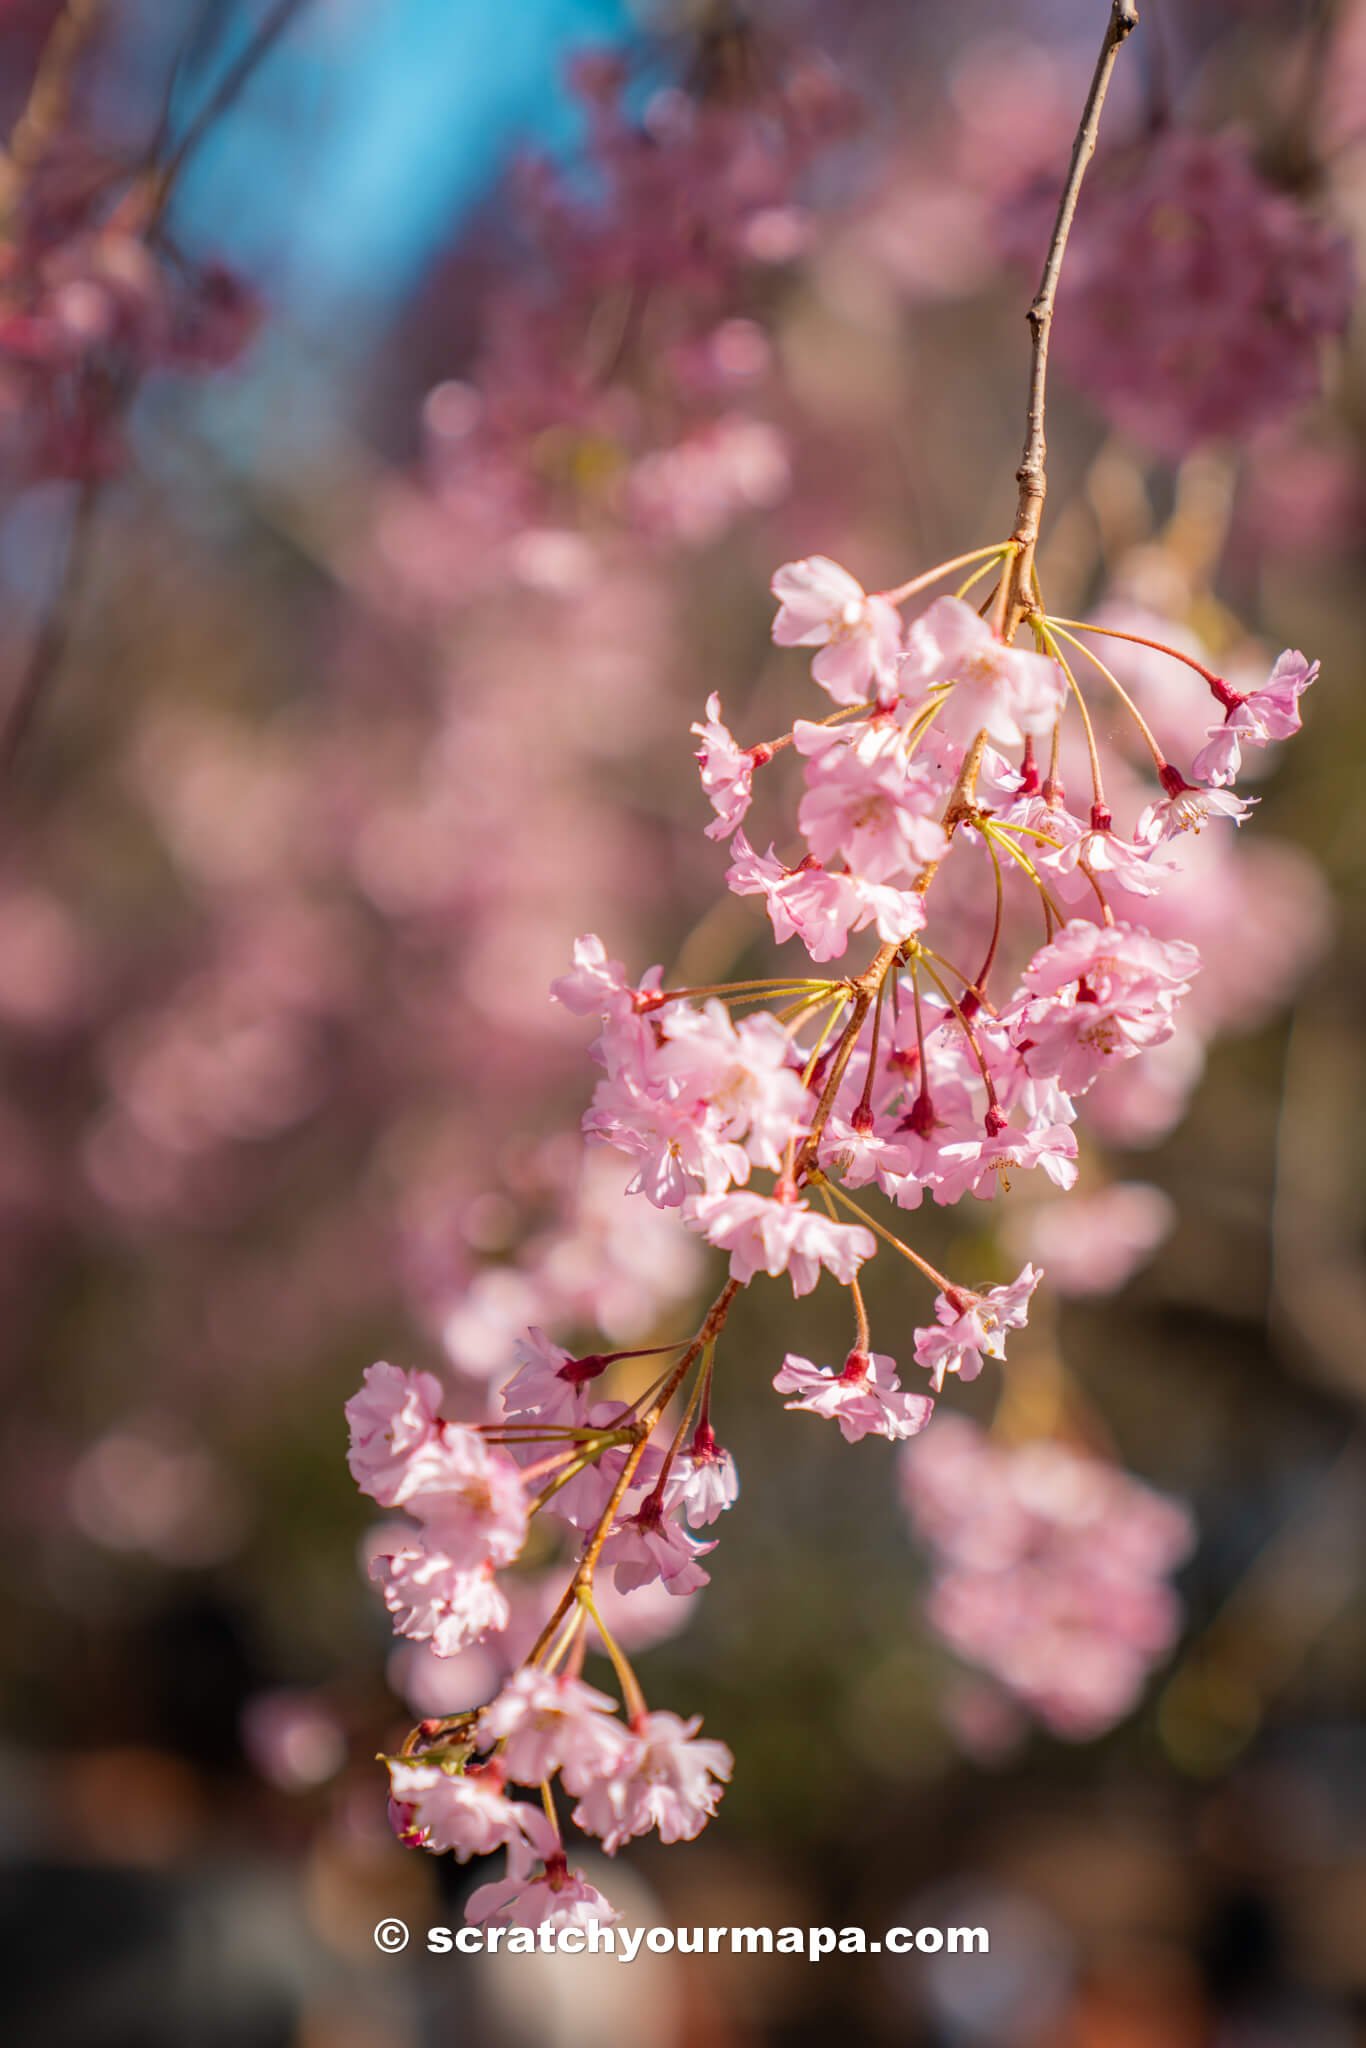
column 866, row 986
column 1216, row 683
column 657, row 1490
column 968, row 1033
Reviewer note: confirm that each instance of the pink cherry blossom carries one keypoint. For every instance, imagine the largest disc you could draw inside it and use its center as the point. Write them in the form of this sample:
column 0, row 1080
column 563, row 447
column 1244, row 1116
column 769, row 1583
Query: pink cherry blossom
column 865, row 1399
column 652, row 1544
column 434, row 1598
column 1099, row 851
column 394, row 1415
column 1187, row 809
column 819, row 907
column 867, row 804
column 552, row 1896
column 598, row 986
column 1255, row 720
column 468, row 1494
column 727, row 772
column 461, row 1812
column 984, row 1163
column 973, row 1326
column 667, row 1779
column 704, row 1481
column 1098, row 994
column 549, row 1382
column 766, row 1235
column 739, row 1076
column 644, row 1109
column 821, row 605
column 546, row 1724
column 1006, row 691
column 806, row 901
column 1275, row 707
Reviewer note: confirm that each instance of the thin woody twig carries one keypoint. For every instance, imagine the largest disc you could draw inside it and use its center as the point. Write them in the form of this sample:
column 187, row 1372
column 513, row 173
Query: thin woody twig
column 1032, row 476
column 49, row 99
column 237, row 76
column 47, row 106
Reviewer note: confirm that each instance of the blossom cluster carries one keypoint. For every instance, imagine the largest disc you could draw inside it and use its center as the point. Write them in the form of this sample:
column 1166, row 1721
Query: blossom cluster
column 470, row 1500
column 765, row 1114
column 1049, row 1569
column 93, row 293
column 1200, row 297
column 625, row 375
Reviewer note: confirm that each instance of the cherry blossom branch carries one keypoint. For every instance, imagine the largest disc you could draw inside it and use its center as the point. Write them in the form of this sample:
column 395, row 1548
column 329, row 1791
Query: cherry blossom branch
column 865, row 990
column 49, row 96
column 46, row 109
column 582, row 1577
column 1032, row 475
column 237, row 77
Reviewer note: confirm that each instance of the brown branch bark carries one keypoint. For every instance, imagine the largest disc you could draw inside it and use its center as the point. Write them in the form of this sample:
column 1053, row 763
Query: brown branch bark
column 1015, row 597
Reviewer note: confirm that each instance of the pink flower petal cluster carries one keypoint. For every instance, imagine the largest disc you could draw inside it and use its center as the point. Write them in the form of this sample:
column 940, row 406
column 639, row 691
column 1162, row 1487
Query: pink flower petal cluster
column 1198, row 297
column 394, row 1415
column 665, row 1779
column 866, row 1398
column 1256, row 719
column 972, row 1327
column 979, row 682
column 552, row 1724
column 651, row 1546
column 1097, row 994
column 695, row 1098
column 820, row 906
column 597, row 986
column 549, row 1383
column 869, row 802
column 468, row 1500
column 463, row 1813
column 1050, row 1569
column 727, row 772
column 1185, row 808
column 765, row 1234
column 822, row 605
column 436, row 1598
column 527, row 1896
column 704, row 1481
